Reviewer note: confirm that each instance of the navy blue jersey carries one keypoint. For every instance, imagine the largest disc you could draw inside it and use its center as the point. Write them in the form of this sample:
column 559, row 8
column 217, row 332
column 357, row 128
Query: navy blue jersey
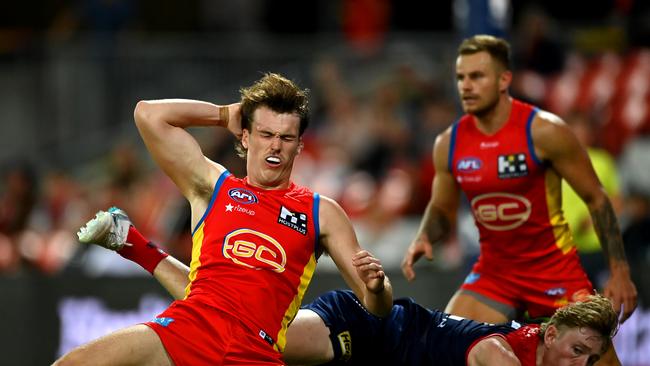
column 410, row 335
column 355, row 333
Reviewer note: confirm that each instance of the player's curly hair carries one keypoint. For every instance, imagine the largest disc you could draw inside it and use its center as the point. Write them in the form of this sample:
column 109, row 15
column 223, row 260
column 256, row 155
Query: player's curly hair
column 596, row 312
column 498, row 48
column 279, row 94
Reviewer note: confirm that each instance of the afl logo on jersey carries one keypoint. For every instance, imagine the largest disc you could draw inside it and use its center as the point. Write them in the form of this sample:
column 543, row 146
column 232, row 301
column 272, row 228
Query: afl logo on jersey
column 469, row 164
column 252, row 249
column 501, row 211
column 242, row 196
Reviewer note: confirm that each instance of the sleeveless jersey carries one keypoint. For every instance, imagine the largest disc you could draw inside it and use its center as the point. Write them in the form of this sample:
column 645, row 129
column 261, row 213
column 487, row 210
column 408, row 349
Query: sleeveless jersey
column 515, row 199
column 524, row 343
column 254, row 254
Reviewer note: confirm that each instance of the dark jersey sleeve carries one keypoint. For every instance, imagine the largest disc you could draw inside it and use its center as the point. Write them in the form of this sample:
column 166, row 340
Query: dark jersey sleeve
column 415, row 335
column 354, row 331
column 410, row 335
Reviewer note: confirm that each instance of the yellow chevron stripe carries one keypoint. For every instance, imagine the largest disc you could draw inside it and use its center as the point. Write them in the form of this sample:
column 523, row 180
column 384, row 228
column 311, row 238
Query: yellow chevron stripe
column 197, row 243
column 561, row 231
column 291, row 312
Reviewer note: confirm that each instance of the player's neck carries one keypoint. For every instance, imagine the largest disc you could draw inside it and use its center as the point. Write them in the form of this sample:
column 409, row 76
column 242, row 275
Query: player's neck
column 493, row 119
column 274, row 186
column 539, row 356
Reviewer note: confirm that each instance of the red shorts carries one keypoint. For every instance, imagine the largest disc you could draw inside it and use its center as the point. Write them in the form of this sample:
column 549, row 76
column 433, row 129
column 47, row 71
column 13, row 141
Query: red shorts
column 195, row 334
column 540, row 298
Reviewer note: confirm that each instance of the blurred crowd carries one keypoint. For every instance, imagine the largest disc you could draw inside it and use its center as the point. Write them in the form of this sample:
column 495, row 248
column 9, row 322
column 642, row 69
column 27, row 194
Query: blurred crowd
column 369, row 146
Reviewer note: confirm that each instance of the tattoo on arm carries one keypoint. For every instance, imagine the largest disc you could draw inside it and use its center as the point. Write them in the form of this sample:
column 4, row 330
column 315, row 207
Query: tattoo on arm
column 608, row 232
column 436, row 224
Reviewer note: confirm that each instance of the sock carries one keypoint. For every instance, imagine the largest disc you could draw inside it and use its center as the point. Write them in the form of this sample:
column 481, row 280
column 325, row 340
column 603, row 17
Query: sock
column 142, row 251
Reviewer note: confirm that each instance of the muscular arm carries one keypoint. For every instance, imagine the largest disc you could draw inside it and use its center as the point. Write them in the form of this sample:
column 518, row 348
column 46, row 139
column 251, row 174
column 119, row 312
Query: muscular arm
column 555, row 143
column 440, row 215
column 492, row 351
column 162, row 124
column 362, row 272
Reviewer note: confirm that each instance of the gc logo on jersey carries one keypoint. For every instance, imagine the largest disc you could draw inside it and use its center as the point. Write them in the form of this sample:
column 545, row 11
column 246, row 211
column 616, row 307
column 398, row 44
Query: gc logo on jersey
column 252, row 249
column 512, row 166
column 242, row 196
column 294, row 220
column 501, row 211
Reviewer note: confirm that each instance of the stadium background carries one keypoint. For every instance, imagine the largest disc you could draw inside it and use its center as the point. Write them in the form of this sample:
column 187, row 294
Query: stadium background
column 381, row 78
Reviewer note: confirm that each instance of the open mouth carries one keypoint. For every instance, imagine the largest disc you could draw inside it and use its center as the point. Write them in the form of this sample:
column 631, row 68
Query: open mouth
column 273, row 160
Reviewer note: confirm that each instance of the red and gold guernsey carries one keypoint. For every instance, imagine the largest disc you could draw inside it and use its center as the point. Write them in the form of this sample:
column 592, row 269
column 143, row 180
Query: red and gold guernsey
column 254, row 254
column 523, row 342
column 515, row 199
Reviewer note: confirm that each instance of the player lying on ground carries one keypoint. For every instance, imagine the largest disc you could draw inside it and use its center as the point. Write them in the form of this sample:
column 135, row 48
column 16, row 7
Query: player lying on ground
column 252, row 236
column 336, row 328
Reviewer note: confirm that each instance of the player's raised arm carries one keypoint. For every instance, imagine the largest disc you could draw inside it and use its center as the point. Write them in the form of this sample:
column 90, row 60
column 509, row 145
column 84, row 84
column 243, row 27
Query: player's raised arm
column 558, row 145
column 162, row 126
column 440, row 214
column 360, row 270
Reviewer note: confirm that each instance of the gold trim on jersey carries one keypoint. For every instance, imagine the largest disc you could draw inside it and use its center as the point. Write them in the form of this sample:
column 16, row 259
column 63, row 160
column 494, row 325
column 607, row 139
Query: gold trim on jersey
column 197, row 243
column 305, row 279
column 561, row 231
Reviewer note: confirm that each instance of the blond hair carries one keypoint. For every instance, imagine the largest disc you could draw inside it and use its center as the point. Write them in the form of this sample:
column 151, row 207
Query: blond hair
column 596, row 312
column 498, row 48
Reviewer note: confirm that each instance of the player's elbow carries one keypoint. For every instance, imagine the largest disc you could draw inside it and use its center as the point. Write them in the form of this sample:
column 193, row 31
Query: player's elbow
column 143, row 113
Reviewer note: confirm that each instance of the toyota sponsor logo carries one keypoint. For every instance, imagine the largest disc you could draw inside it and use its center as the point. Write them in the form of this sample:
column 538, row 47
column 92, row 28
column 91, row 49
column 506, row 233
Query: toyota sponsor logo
column 501, row 211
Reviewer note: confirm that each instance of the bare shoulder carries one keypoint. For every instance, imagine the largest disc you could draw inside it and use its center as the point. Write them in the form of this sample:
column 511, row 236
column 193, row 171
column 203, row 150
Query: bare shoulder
column 333, row 220
column 551, row 135
column 441, row 148
column 444, row 138
column 216, row 168
column 547, row 124
column 329, row 211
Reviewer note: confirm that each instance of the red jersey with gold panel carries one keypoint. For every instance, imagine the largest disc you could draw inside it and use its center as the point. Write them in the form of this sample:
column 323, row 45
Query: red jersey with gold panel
column 523, row 342
column 254, row 254
column 515, row 198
